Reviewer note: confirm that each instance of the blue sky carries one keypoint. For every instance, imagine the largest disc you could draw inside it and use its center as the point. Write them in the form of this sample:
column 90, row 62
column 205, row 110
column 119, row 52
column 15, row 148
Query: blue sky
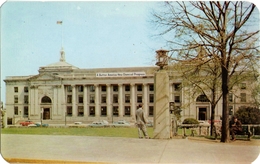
column 95, row 35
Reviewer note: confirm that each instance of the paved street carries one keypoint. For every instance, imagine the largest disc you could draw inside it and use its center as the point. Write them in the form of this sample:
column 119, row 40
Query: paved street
column 125, row 150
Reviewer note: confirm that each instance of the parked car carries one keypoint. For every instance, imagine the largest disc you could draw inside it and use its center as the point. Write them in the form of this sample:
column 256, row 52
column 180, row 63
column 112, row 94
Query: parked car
column 38, row 124
column 121, row 123
column 26, row 123
column 102, row 123
column 204, row 123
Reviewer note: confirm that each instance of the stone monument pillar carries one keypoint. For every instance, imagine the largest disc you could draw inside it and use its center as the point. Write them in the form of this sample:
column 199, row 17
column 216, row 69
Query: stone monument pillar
column 161, row 110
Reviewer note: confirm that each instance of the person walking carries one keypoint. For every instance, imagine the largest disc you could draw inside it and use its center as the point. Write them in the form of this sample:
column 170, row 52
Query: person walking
column 141, row 122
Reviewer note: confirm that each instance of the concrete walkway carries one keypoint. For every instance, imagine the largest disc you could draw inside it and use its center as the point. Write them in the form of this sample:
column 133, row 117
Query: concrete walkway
column 58, row 148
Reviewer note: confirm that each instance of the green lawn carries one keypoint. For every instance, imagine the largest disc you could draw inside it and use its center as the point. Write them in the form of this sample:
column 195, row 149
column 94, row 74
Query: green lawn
column 108, row 132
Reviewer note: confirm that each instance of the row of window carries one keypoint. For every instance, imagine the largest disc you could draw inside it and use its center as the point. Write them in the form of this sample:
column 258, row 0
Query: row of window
column 92, row 111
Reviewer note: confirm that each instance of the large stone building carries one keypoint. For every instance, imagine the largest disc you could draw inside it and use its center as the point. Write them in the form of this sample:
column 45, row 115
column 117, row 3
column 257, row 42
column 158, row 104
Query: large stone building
column 62, row 92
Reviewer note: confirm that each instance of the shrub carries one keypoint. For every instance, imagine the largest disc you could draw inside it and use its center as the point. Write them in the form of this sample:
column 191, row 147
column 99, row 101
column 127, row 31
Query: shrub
column 248, row 115
column 190, row 121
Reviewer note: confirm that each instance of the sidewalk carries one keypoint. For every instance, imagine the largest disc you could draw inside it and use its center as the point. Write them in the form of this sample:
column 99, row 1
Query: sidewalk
column 86, row 149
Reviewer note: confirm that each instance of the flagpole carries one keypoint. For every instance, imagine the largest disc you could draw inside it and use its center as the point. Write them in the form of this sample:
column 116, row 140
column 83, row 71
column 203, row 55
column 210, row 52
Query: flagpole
column 60, row 23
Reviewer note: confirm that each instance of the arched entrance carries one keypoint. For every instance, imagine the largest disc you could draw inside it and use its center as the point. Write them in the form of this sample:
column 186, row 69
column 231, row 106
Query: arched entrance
column 46, row 107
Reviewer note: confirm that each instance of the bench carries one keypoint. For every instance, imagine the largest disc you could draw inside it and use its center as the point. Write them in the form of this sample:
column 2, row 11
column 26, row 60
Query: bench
column 245, row 131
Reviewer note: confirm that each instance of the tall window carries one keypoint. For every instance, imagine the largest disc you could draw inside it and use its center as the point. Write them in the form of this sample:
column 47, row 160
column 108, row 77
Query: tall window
column 127, row 88
column 115, row 110
column 230, row 97
column 127, row 111
column 103, row 88
column 80, row 99
column 151, row 98
column 103, row 111
column 26, row 89
column 80, row 111
column 26, row 99
column 69, row 88
column 69, row 110
column 127, row 98
column 15, row 99
column 16, row 89
column 92, row 98
column 115, row 88
column 25, row 111
column 69, row 99
column 139, row 98
column 92, row 111
column 150, row 110
column 92, row 88
column 139, row 87
column 231, row 110
column 80, row 88
column 115, row 98
column 103, row 98
column 177, row 87
column 243, row 97
column 151, row 87
column 177, row 99
column 16, row 110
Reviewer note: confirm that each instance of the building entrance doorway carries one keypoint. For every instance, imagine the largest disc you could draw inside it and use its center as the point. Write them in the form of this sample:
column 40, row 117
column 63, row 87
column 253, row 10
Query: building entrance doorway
column 202, row 113
column 46, row 113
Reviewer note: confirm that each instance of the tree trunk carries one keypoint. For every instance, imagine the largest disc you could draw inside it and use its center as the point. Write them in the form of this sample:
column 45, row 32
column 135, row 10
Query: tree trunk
column 212, row 118
column 225, row 111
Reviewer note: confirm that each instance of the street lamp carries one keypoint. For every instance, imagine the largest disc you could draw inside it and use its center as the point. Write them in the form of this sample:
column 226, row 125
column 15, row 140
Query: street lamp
column 161, row 58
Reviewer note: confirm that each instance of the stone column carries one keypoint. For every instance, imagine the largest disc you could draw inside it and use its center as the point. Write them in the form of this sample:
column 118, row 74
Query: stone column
column 85, row 101
column 109, row 106
column 120, row 100
column 161, row 111
column 63, row 100
column 145, row 99
column 74, row 110
column 36, row 101
column 97, row 102
column 133, row 100
column 55, row 101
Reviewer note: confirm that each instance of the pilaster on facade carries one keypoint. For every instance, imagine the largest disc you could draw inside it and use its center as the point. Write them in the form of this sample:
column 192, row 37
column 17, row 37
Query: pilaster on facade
column 120, row 102
column 109, row 104
column 133, row 99
column 74, row 107
column 97, row 100
column 85, row 100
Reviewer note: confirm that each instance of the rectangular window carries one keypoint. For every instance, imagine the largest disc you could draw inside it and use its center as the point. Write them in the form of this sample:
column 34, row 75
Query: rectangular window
column 151, row 87
column 25, row 111
column 243, row 97
column 16, row 89
column 16, row 110
column 80, row 99
column 103, row 98
column 80, row 88
column 80, row 111
column 69, row 99
column 127, row 98
column 230, row 97
column 151, row 98
column 243, row 86
column 177, row 87
column 26, row 89
column 115, row 88
column 103, row 111
column 26, row 99
column 15, row 99
column 177, row 99
column 127, row 111
column 103, row 88
column 139, row 88
column 150, row 110
column 127, row 88
column 115, row 98
column 91, row 98
column 92, row 88
column 139, row 98
column 115, row 110
column 69, row 110
column 92, row 111
column 69, row 88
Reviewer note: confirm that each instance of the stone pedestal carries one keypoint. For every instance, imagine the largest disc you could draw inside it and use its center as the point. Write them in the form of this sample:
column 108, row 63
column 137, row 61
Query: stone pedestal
column 161, row 110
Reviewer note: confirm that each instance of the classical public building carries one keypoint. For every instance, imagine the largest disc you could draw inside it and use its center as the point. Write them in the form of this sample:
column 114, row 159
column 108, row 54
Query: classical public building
column 63, row 92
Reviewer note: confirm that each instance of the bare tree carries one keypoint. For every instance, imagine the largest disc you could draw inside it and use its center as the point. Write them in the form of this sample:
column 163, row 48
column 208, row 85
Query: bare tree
column 226, row 30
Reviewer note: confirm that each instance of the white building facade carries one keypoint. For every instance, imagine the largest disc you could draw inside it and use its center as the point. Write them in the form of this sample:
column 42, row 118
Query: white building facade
column 62, row 92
